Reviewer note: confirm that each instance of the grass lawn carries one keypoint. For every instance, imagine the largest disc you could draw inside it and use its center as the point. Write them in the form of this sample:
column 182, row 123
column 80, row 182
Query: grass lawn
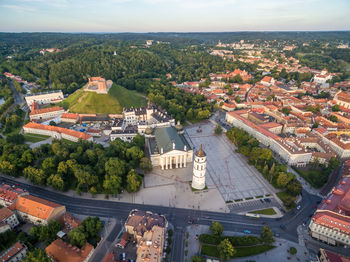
column 111, row 103
column 212, row 251
column 267, row 211
column 33, row 138
column 209, row 250
column 250, row 251
column 68, row 141
column 315, row 177
column 127, row 98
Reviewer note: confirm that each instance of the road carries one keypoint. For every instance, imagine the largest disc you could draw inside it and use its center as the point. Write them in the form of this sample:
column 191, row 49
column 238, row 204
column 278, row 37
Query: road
column 180, row 217
column 17, row 96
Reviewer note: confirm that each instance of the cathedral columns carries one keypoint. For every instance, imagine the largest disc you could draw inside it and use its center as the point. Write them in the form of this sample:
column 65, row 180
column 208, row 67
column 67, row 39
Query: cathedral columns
column 171, row 162
column 184, row 160
column 166, row 163
column 162, row 162
column 177, row 161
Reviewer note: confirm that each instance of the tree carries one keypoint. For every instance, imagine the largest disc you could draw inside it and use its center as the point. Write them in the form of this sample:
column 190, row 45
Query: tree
column 216, row 228
column 35, row 175
column 266, row 235
column 333, row 118
column 218, row 130
column 146, row 164
column 226, row 250
column 37, row 255
column 282, row 180
column 336, row 108
column 272, row 171
column 56, row 182
column 286, row 110
column 294, row 187
column 238, row 99
column 315, row 125
column 293, row 250
column 91, row 226
column 77, row 237
column 133, row 181
column 15, row 138
column 230, row 91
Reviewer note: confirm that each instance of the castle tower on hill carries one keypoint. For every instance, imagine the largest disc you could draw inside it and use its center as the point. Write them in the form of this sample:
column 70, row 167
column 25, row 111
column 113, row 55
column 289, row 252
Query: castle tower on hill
column 199, row 169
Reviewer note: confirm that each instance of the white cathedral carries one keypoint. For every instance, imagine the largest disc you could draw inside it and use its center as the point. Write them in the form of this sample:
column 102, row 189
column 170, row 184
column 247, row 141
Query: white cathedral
column 199, row 168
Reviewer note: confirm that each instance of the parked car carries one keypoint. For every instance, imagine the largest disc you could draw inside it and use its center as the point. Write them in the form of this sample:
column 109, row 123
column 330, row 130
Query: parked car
column 298, row 207
column 246, row 231
column 283, row 227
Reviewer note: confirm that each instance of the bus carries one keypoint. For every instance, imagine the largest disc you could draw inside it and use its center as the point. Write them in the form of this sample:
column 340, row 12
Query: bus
column 252, row 215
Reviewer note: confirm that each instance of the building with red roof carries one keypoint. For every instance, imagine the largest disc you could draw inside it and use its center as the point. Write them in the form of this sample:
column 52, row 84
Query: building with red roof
column 331, row 221
column 328, row 256
column 8, row 194
column 70, row 117
column 37, row 210
column 60, row 251
column 15, row 253
column 56, row 132
column 45, row 113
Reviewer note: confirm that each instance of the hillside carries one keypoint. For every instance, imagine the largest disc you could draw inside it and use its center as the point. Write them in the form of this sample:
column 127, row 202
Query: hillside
column 111, row 103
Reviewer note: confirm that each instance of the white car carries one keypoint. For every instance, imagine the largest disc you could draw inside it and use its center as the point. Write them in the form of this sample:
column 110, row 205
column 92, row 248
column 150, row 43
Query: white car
column 298, row 207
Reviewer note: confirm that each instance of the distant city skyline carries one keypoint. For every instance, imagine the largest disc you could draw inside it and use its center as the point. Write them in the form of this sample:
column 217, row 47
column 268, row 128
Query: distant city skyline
column 173, row 15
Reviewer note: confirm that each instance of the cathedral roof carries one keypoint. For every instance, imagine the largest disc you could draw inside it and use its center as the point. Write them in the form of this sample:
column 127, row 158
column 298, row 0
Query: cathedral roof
column 200, row 152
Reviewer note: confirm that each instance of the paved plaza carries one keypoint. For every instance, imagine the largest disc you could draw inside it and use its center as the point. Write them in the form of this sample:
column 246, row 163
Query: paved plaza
column 228, row 170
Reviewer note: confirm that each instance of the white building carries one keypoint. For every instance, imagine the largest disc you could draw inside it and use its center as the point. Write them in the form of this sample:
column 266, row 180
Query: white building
column 45, row 97
column 8, row 217
column 331, row 221
column 55, row 132
column 323, row 77
column 46, row 113
column 168, row 148
column 199, row 169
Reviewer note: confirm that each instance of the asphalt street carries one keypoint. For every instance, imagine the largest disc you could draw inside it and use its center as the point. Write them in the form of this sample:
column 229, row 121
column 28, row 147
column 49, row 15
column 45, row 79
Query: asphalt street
column 180, row 217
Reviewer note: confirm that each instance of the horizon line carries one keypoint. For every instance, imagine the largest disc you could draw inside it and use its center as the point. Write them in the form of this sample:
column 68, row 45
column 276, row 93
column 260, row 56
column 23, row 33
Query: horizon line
column 176, row 32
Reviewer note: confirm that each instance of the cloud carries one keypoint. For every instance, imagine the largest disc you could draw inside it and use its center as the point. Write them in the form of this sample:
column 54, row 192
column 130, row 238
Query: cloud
column 19, row 8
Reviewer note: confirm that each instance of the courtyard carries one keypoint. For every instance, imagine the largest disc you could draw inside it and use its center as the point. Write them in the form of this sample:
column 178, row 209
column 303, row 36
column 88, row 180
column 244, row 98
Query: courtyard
column 227, row 170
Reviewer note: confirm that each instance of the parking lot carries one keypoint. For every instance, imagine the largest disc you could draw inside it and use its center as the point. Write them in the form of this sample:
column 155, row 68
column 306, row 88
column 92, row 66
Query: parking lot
column 236, row 180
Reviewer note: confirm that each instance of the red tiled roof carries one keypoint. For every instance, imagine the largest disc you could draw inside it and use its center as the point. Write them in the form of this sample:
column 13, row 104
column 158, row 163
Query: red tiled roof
column 58, row 130
column 5, row 213
column 45, row 110
column 60, row 251
column 70, row 116
column 11, row 252
column 35, row 206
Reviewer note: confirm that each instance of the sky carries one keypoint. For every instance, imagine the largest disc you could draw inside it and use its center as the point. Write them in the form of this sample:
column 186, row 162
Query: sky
column 173, row 15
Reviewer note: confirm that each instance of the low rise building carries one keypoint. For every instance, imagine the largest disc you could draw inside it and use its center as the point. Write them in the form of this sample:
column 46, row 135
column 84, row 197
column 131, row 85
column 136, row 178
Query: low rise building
column 9, row 194
column 46, row 113
column 56, row 132
column 45, row 97
column 37, row 210
column 15, row 253
column 60, row 251
column 70, row 118
column 149, row 231
column 328, row 256
column 9, row 217
column 98, row 85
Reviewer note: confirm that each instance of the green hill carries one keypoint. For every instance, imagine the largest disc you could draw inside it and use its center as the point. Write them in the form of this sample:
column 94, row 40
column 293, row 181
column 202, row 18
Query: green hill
column 112, row 103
